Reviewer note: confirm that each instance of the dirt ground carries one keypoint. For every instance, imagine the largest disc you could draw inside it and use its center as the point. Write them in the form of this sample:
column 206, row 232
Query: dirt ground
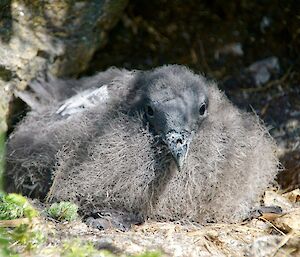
column 269, row 234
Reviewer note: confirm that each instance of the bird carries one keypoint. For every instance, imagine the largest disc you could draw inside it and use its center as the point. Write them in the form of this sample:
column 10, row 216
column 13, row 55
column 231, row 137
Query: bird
column 163, row 144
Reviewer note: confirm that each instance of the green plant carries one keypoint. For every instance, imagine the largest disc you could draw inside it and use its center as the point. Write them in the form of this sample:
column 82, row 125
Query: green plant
column 27, row 236
column 5, row 242
column 76, row 248
column 2, row 153
column 63, row 211
column 14, row 206
column 150, row 254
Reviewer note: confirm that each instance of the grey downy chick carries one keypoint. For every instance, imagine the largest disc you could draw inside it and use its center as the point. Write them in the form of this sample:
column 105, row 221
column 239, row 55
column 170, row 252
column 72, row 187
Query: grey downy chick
column 163, row 144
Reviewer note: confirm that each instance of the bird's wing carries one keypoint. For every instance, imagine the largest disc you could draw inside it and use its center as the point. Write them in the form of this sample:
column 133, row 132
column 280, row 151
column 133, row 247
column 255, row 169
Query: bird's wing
column 47, row 90
column 99, row 95
column 84, row 100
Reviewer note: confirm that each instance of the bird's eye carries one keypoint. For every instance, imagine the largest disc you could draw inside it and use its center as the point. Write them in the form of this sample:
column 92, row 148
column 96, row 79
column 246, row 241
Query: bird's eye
column 149, row 111
column 202, row 109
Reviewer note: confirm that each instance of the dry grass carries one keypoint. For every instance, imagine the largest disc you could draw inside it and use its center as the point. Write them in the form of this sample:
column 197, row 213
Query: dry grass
column 269, row 235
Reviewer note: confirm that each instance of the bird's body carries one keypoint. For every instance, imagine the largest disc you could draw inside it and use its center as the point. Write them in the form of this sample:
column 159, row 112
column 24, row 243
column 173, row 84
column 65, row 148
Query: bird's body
column 165, row 144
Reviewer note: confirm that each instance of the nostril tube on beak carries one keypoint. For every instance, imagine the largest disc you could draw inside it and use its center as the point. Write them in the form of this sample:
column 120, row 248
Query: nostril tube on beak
column 178, row 143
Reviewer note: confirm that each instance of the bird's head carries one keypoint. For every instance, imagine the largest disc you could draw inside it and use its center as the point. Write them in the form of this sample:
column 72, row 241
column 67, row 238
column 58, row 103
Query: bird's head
column 174, row 102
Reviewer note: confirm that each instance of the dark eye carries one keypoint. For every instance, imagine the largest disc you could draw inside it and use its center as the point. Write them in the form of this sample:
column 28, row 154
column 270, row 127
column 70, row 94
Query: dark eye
column 149, row 111
column 202, row 109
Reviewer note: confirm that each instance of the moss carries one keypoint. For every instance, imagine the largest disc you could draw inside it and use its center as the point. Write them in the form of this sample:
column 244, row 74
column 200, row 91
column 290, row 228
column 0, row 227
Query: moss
column 150, row 254
column 5, row 74
column 63, row 211
column 27, row 236
column 24, row 238
column 5, row 243
column 76, row 248
column 14, row 206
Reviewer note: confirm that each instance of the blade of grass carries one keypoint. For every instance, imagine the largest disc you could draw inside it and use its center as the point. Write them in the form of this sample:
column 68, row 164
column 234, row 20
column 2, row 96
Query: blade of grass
column 2, row 152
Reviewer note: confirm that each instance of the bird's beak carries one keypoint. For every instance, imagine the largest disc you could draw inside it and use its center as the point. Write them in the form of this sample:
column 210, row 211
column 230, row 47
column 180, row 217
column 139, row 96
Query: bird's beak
column 178, row 144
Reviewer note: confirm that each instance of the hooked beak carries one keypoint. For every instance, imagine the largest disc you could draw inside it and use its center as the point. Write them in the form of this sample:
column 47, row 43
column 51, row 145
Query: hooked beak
column 178, row 143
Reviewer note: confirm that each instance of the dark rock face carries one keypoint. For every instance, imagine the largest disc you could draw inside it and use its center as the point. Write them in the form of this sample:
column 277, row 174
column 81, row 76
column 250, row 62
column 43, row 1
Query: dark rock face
column 63, row 35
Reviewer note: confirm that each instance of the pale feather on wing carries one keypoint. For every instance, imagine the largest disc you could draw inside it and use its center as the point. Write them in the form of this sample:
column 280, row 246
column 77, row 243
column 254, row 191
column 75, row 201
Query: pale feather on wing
column 84, row 100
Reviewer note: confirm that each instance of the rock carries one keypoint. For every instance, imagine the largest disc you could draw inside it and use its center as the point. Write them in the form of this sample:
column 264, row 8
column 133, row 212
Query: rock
column 293, row 196
column 272, row 198
column 289, row 221
column 265, row 24
column 234, row 49
column 263, row 246
column 6, row 95
column 57, row 36
column 261, row 71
